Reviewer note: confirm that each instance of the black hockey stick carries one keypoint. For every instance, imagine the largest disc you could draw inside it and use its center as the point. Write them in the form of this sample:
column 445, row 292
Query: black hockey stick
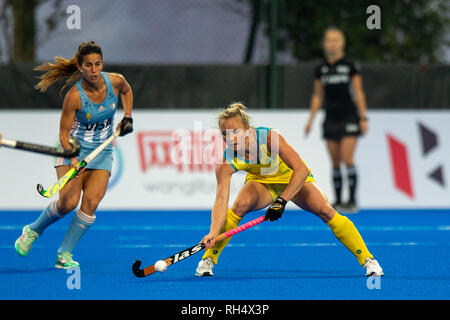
column 140, row 273
column 38, row 148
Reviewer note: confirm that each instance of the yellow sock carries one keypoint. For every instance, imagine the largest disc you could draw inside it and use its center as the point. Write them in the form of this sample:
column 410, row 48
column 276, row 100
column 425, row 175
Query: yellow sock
column 347, row 233
column 231, row 221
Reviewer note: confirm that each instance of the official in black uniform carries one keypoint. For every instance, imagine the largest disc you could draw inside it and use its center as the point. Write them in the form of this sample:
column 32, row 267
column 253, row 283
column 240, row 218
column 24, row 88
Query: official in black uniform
column 338, row 89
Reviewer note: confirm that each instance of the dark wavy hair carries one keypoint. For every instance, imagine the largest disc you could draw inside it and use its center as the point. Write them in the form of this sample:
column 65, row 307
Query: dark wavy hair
column 63, row 68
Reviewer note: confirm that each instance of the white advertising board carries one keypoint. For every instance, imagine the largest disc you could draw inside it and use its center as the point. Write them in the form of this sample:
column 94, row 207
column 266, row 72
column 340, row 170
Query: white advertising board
column 403, row 161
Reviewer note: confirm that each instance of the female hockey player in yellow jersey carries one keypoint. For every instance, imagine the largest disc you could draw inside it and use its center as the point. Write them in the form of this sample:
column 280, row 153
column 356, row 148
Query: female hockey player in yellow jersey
column 275, row 175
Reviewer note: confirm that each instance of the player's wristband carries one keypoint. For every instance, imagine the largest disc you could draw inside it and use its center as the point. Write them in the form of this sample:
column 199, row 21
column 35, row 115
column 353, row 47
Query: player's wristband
column 281, row 201
column 364, row 119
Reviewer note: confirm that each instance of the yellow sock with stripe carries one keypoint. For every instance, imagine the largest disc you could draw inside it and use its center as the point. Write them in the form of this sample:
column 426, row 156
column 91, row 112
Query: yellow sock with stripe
column 347, row 233
column 231, row 221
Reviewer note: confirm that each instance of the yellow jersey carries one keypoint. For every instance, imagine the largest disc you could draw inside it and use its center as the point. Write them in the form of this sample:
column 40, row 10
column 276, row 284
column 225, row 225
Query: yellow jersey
column 267, row 169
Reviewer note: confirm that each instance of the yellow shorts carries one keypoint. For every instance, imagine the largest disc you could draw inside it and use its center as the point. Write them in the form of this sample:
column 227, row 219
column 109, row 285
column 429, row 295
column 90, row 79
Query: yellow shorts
column 276, row 189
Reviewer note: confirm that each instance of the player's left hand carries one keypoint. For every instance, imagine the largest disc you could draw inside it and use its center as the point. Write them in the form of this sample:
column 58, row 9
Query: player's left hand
column 363, row 126
column 276, row 209
column 126, row 126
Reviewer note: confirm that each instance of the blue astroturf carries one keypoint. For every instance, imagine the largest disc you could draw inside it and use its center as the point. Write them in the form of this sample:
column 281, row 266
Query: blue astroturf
column 294, row 258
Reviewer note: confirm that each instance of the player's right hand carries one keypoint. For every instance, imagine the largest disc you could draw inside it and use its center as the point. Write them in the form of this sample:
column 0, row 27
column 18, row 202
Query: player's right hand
column 208, row 240
column 74, row 163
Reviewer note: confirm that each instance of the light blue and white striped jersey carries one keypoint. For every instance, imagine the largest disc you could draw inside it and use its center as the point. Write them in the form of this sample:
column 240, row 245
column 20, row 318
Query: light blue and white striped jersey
column 94, row 122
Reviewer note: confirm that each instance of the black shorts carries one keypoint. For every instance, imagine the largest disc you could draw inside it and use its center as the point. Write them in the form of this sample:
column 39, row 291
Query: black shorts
column 334, row 129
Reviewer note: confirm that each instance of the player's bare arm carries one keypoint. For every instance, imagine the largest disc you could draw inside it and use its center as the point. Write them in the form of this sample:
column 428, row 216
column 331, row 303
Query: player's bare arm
column 315, row 104
column 123, row 88
column 120, row 84
column 360, row 101
column 71, row 105
column 224, row 172
column 292, row 159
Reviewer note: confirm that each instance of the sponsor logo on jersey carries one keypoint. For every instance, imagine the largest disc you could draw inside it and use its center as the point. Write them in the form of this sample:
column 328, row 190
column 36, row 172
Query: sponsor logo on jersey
column 343, row 69
column 98, row 125
column 335, row 78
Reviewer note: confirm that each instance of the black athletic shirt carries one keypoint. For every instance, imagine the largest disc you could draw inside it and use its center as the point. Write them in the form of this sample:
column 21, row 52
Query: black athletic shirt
column 336, row 80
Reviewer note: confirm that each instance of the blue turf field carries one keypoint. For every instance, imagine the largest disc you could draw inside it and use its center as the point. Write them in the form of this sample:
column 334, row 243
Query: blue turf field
column 296, row 257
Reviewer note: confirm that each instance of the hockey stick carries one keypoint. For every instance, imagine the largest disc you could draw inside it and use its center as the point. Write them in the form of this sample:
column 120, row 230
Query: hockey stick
column 72, row 173
column 177, row 257
column 38, row 148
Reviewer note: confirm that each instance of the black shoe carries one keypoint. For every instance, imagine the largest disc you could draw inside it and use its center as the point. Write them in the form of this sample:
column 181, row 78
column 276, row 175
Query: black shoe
column 337, row 206
column 349, row 207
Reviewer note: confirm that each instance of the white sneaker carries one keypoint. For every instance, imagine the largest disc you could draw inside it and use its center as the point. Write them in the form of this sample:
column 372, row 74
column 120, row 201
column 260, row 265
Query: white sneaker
column 204, row 268
column 373, row 268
